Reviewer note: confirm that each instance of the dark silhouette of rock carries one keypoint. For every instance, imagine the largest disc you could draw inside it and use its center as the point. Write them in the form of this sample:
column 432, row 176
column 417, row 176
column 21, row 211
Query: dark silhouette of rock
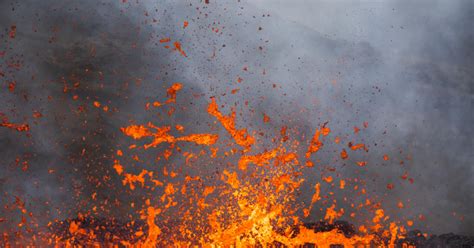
column 322, row 226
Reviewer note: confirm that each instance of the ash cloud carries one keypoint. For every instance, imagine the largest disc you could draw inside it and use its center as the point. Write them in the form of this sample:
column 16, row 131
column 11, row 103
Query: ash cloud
column 420, row 56
column 405, row 68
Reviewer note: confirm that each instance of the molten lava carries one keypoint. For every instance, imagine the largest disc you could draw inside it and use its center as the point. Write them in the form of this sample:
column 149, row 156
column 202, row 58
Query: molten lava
column 251, row 204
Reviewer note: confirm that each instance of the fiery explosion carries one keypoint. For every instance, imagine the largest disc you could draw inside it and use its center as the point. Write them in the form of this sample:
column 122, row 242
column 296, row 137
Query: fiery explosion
column 111, row 149
column 250, row 203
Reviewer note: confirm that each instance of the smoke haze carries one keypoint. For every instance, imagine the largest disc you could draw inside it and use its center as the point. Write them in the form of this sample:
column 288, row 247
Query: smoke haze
column 405, row 68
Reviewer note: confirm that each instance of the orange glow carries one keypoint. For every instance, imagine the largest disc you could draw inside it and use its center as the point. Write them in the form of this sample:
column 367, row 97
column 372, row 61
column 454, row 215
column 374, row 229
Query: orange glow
column 231, row 191
column 161, row 135
column 314, row 199
column 17, row 127
column 344, row 154
column 177, row 46
column 240, row 136
column 259, row 159
column 315, row 144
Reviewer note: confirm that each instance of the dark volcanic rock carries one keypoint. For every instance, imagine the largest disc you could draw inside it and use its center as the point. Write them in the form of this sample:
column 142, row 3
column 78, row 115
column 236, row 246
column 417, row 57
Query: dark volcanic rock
column 322, row 226
column 449, row 240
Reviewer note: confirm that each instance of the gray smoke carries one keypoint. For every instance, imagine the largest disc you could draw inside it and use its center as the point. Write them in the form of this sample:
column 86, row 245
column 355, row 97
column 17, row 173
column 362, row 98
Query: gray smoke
column 405, row 68
column 420, row 56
